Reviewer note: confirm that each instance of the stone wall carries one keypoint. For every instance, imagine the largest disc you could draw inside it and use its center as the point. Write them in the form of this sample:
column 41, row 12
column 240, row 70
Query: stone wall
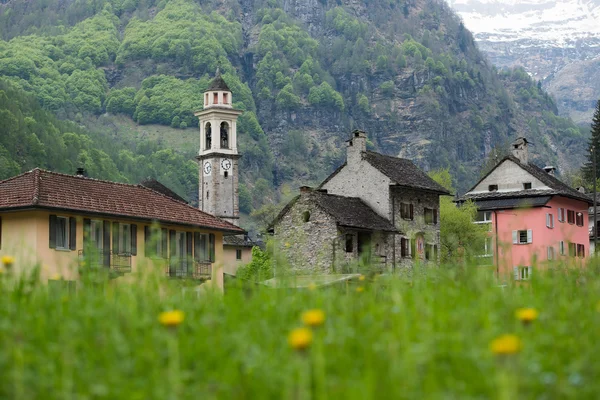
column 306, row 247
column 417, row 226
column 364, row 181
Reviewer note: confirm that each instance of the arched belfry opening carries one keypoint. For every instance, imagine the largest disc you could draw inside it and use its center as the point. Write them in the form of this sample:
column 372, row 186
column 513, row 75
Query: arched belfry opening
column 224, row 135
column 208, row 135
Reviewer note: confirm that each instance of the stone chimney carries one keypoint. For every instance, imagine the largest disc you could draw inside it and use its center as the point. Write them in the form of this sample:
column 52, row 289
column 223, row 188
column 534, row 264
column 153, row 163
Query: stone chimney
column 550, row 170
column 520, row 151
column 356, row 145
column 80, row 172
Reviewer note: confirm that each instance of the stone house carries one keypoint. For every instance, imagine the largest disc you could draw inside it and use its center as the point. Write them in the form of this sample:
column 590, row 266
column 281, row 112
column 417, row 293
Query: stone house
column 375, row 206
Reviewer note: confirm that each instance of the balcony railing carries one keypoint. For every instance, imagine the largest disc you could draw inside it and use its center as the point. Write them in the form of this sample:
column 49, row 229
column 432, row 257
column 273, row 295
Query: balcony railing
column 118, row 262
column 189, row 269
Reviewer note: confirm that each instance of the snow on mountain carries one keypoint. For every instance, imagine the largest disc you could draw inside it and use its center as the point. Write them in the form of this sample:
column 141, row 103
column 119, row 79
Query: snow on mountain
column 559, row 23
column 557, row 42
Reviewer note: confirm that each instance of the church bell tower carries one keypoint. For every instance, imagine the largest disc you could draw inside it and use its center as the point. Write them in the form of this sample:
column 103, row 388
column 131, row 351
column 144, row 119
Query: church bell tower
column 218, row 156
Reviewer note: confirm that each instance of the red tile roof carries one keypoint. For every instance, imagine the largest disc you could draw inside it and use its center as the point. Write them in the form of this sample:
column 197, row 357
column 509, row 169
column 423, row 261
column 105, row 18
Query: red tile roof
column 45, row 189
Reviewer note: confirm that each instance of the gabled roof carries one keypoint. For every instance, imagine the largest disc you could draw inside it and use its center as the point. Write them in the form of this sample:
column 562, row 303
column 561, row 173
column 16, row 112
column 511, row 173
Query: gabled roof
column 218, row 84
column 510, row 203
column 556, row 186
column 51, row 190
column 403, row 172
column 238, row 241
column 350, row 212
column 160, row 188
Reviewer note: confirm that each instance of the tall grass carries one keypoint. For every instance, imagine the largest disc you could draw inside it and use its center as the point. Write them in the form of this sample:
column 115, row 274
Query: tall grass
column 425, row 338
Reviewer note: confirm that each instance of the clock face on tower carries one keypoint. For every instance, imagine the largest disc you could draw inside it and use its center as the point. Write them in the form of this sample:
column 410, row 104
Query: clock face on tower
column 226, row 164
column 207, row 168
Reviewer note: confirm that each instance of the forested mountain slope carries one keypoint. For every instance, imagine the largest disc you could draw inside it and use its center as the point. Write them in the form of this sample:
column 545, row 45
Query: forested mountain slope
column 305, row 72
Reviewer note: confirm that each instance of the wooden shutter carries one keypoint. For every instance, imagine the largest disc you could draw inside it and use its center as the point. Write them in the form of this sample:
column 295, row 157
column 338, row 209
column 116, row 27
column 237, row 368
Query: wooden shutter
column 106, row 242
column 529, row 235
column 197, row 246
column 411, row 211
column 172, row 249
column 52, row 232
column 403, row 247
column 164, row 238
column 115, row 238
column 148, row 251
column 413, row 253
column 516, row 273
column 211, row 246
column 87, row 226
column 133, row 239
column 72, row 233
column 548, row 220
column 515, row 237
column 189, row 238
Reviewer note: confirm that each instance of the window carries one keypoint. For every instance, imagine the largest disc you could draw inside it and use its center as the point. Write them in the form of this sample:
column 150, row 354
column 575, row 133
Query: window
column 527, row 185
column 96, row 234
column 492, row 188
column 202, row 250
column 406, row 211
column 550, row 220
column 551, row 253
column 561, row 215
column 225, row 174
column 206, row 98
column 431, row 252
column 579, row 219
column 484, row 216
column 522, row 237
column 431, row 216
column 225, row 102
column 238, row 254
column 522, row 273
column 124, row 239
column 487, row 247
column 364, row 242
column 349, row 243
column 155, row 242
column 62, row 233
column 571, row 216
column 572, row 249
column 581, row 250
column 215, row 98
column 405, row 247
column 561, row 248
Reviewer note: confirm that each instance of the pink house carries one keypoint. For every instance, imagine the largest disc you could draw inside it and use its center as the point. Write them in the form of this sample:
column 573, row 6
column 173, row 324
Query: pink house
column 532, row 216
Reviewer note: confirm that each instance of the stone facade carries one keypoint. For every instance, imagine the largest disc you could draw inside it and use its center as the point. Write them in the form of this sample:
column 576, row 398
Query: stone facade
column 319, row 244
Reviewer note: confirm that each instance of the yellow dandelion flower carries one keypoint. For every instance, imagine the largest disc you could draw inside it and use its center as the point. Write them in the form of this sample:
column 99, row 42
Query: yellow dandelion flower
column 361, row 278
column 312, row 286
column 526, row 315
column 8, row 261
column 171, row 318
column 300, row 338
column 506, row 344
column 313, row 317
column 360, row 289
column 287, row 244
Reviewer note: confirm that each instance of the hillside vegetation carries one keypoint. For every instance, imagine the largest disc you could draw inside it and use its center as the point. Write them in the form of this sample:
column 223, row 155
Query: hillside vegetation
column 305, row 74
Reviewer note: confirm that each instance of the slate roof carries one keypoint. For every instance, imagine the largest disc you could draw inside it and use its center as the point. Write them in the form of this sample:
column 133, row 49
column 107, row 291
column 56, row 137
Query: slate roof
column 218, row 84
column 238, row 241
column 50, row 190
column 509, row 203
column 403, row 172
column 350, row 212
column 557, row 188
column 160, row 188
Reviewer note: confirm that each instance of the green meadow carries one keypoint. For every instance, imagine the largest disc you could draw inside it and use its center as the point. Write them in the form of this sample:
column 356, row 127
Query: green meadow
column 427, row 336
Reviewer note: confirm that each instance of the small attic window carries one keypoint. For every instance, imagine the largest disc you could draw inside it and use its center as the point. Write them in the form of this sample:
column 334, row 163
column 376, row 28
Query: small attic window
column 493, row 188
column 306, row 216
column 527, row 185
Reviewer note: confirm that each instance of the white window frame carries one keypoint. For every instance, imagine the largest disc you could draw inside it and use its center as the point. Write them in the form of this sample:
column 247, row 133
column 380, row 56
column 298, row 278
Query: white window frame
column 550, row 220
column 487, row 219
column 65, row 245
column 517, row 236
column 522, row 273
column 551, row 253
column 561, row 214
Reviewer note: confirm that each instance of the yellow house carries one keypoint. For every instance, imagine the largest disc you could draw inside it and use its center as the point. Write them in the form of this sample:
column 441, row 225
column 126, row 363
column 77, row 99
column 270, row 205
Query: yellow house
column 70, row 223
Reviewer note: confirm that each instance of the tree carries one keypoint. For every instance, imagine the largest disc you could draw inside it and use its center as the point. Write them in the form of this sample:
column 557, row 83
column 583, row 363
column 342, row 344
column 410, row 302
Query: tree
column 460, row 238
column 594, row 143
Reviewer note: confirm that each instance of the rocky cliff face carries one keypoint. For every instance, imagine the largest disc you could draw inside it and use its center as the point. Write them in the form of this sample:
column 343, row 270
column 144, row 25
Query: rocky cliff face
column 556, row 42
